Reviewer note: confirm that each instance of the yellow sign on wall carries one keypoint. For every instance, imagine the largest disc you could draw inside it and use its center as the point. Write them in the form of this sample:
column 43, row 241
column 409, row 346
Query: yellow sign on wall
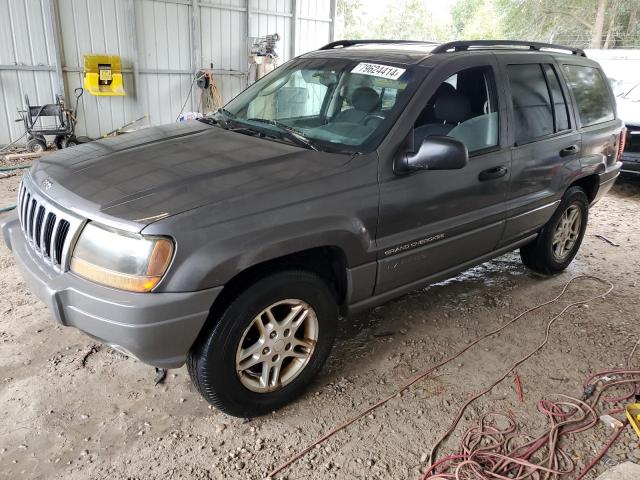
column 103, row 75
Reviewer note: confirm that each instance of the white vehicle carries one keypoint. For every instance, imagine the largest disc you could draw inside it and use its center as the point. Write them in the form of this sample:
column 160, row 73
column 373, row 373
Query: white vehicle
column 629, row 111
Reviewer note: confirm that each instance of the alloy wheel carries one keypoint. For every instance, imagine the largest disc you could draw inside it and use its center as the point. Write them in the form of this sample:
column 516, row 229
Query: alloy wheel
column 566, row 233
column 277, row 345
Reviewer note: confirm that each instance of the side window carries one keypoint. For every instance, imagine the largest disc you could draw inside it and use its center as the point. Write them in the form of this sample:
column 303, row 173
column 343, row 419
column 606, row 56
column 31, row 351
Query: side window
column 463, row 107
column 531, row 102
column 591, row 94
column 560, row 115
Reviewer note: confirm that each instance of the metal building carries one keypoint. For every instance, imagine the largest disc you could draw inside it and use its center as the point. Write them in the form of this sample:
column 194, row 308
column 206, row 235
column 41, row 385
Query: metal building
column 162, row 43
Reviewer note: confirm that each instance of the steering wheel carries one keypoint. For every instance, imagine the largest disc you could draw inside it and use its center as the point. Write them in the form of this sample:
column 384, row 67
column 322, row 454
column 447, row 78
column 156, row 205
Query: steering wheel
column 373, row 117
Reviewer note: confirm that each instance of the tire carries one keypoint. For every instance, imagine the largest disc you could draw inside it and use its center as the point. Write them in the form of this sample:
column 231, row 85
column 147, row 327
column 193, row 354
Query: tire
column 36, row 145
column 69, row 142
column 544, row 255
column 212, row 362
column 59, row 142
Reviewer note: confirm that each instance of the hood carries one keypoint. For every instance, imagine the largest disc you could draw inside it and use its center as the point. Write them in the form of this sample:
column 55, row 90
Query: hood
column 135, row 179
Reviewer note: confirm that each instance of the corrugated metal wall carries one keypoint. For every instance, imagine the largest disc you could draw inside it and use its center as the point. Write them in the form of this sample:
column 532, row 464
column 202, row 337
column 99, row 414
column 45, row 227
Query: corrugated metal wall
column 161, row 42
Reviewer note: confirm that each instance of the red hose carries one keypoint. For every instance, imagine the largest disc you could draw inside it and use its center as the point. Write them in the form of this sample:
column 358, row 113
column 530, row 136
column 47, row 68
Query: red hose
column 520, row 464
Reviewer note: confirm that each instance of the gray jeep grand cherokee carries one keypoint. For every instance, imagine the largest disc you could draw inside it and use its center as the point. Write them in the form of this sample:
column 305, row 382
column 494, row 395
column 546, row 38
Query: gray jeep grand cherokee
column 348, row 176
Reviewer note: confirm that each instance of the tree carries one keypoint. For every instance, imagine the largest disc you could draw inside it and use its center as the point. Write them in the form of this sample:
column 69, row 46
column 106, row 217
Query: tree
column 584, row 23
column 349, row 17
column 580, row 23
column 408, row 20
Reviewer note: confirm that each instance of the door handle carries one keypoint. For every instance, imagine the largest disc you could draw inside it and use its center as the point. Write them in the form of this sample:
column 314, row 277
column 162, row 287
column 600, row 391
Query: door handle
column 570, row 150
column 492, row 173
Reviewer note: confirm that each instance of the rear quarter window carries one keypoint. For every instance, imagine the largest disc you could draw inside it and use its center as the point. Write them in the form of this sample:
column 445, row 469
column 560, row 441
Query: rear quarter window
column 591, row 94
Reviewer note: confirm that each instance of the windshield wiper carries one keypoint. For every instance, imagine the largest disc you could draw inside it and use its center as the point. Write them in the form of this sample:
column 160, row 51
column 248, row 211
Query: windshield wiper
column 208, row 120
column 223, row 117
column 287, row 131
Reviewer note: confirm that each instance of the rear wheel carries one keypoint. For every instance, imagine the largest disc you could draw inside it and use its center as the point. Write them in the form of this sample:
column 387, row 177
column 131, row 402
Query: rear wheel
column 59, row 142
column 65, row 141
column 560, row 239
column 267, row 346
column 69, row 142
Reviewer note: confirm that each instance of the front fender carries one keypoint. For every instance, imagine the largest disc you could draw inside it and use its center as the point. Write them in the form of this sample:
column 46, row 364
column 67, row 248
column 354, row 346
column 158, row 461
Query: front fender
column 216, row 242
column 218, row 261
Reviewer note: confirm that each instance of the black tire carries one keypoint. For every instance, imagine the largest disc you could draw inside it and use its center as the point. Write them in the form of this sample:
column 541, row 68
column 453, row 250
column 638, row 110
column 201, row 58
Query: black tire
column 59, row 142
column 69, row 142
column 212, row 360
column 539, row 254
column 36, row 145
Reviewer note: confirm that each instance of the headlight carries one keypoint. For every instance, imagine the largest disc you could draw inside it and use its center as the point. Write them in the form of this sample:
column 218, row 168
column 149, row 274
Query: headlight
column 120, row 259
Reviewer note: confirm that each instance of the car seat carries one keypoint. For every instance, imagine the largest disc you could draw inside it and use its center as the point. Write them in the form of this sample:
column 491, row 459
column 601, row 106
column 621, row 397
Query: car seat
column 364, row 100
column 450, row 109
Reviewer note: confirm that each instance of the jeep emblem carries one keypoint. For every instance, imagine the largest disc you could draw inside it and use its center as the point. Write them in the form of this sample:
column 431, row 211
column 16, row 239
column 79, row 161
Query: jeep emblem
column 47, row 184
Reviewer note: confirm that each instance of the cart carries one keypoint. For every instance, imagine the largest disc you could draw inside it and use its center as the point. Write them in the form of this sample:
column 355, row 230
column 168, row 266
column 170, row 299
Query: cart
column 59, row 122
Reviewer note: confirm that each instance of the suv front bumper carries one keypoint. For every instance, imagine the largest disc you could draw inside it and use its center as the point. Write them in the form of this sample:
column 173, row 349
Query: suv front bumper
column 156, row 328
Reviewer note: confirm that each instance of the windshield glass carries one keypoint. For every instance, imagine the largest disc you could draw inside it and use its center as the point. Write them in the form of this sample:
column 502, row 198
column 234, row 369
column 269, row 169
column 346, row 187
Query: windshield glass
column 332, row 104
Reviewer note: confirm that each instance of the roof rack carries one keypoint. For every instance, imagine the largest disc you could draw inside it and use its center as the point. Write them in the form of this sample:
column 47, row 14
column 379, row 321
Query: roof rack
column 351, row 43
column 537, row 46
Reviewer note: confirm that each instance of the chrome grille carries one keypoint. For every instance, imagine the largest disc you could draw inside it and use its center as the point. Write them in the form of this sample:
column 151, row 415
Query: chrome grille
column 49, row 230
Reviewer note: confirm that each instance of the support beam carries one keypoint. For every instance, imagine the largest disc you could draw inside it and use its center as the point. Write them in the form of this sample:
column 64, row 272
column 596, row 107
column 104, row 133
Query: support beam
column 332, row 14
column 135, row 59
column 249, row 13
column 53, row 18
column 294, row 27
column 28, row 68
column 196, row 57
column 247, row 43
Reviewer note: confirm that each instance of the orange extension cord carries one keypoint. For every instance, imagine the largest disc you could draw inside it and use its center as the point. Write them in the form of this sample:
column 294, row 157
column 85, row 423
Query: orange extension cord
column 488, row 451
column 560, row 413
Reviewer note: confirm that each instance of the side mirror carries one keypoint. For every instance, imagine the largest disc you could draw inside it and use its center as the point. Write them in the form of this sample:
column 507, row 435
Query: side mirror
column 436, row 152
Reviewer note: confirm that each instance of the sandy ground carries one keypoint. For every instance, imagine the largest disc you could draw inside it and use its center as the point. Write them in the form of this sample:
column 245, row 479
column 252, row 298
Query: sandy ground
column 73, row 409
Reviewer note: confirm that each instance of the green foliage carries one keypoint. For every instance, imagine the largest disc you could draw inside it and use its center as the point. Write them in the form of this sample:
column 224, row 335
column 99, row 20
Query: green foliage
column 572, row 22
column 403, row 19
column 411, row 20
column 348, row 11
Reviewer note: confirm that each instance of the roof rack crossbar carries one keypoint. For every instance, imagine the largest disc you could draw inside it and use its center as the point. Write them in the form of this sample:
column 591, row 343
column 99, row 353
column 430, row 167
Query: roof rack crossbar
column 537, row 46
column 351, row 43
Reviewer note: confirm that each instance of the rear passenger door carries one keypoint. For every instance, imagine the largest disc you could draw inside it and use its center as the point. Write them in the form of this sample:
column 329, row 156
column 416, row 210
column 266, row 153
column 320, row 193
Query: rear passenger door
column 545, row 146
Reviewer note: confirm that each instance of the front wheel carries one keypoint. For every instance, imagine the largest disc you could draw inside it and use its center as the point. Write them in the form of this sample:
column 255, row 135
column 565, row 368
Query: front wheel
column 560, row 239
column 267, row 346
column 36, row 145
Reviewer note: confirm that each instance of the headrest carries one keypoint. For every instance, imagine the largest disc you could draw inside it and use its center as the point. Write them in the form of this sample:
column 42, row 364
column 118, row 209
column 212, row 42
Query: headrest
column 452, row 107
column 365, row 99
column 444, row 89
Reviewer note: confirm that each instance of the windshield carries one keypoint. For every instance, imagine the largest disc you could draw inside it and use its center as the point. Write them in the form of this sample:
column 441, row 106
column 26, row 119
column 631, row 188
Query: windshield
column 325, row 104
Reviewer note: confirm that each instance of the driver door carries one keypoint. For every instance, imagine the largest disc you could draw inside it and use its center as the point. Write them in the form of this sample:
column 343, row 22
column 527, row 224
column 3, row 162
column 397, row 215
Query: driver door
column 433, row 223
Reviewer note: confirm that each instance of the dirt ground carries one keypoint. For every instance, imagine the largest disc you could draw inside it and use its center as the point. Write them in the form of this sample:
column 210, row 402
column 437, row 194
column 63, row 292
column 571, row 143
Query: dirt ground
column 73, row 409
